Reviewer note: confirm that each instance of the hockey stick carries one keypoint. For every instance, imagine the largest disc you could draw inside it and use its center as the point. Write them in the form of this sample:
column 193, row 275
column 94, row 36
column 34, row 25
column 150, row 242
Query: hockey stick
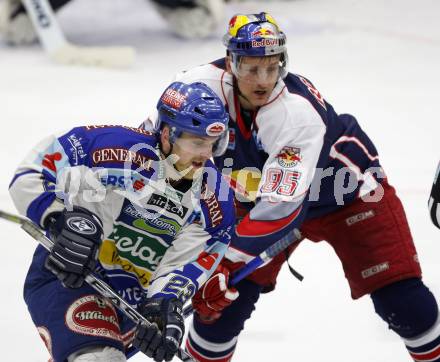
column 101, row 287
column 289, row 239
column 62, row 51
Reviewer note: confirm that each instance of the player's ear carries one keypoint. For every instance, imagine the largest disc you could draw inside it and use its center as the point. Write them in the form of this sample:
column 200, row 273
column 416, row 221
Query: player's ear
column 165, row 139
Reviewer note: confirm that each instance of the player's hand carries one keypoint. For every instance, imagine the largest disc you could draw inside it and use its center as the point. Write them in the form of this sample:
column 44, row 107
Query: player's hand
column 214, row 296
column 163, row 337
column 77, row 235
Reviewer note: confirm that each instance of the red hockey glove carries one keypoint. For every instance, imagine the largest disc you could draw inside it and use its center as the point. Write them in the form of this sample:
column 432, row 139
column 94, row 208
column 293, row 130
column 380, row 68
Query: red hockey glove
column 214, row 296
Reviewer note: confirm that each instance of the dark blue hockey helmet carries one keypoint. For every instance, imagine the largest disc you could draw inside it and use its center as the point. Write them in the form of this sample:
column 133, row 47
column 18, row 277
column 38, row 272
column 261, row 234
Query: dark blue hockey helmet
column 255, row 35
column 194, row 108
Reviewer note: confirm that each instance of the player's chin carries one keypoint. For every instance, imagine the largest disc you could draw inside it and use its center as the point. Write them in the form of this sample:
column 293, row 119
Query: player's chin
column 194, row 169
column 260, row 98
column 260, row 101
column 197, row 164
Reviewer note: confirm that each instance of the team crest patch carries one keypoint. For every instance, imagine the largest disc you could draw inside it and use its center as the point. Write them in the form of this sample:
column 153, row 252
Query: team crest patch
column 93, row 316
column 289, row 156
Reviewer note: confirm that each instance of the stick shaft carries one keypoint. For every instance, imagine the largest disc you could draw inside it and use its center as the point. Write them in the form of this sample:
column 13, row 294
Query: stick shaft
column 45, row 24
column 101, row 287
column 289, row 239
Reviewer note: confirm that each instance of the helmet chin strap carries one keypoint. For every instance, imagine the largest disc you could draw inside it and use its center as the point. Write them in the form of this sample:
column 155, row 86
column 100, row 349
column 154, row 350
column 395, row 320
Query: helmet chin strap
column 237, row 89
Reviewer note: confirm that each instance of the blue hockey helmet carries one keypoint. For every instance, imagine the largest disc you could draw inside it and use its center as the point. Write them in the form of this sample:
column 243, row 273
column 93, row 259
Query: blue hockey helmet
column 194, row 108
column 255, row 35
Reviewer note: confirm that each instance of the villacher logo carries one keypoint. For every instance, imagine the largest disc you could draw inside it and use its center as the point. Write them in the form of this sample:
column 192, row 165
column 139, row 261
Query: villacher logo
column 91, row 316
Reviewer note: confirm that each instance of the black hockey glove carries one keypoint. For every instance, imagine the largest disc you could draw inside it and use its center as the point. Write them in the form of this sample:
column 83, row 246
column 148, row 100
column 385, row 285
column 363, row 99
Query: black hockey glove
column 166, row 317
column 77, row 235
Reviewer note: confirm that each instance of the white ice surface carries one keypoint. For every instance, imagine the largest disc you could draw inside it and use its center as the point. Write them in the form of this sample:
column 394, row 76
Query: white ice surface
column 376, row 59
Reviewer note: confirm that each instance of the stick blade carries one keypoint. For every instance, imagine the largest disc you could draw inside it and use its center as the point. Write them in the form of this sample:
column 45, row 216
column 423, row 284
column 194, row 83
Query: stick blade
column 108, row 57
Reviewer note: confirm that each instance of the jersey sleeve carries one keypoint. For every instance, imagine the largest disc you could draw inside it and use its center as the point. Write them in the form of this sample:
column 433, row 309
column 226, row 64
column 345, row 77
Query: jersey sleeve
column 33, row 187
column 292, row 134
column 434, row 200
column 84, row 167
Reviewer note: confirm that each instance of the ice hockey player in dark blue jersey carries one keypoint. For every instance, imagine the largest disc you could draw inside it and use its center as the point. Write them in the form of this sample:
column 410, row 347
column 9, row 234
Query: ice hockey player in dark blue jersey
column 296, row 163
column 146, row 209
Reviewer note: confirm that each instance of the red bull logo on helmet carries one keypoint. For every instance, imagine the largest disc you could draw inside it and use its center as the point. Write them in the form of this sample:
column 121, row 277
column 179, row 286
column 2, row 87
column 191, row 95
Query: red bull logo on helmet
column 263, row 32
column 215, row 129
column 289, row 156
column 173, row 98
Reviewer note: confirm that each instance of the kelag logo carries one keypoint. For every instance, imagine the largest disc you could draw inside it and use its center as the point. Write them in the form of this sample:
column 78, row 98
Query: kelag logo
column 138, row 248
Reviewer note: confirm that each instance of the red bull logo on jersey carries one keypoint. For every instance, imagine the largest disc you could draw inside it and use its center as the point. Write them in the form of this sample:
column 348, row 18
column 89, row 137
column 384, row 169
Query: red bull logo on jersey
column 289, row 156
column 215, row 129
column 173, row 98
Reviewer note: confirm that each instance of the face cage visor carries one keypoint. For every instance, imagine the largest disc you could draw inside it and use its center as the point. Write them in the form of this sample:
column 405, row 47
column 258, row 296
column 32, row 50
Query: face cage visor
column 201, row 146
column 260, row 73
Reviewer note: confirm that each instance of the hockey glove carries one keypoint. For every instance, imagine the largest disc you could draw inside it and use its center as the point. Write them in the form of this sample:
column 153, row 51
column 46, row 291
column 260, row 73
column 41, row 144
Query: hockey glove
column 214, row 296
column 77, row 235
column 163, row 337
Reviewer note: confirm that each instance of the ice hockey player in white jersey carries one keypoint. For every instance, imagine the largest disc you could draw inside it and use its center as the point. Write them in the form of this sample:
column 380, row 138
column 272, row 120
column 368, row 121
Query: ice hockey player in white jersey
column 295, row 163
column 145, row 210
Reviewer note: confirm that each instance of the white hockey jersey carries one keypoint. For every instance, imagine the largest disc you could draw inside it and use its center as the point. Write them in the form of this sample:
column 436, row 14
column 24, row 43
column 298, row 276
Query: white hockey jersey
column 291, row 162
column 158, row 239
